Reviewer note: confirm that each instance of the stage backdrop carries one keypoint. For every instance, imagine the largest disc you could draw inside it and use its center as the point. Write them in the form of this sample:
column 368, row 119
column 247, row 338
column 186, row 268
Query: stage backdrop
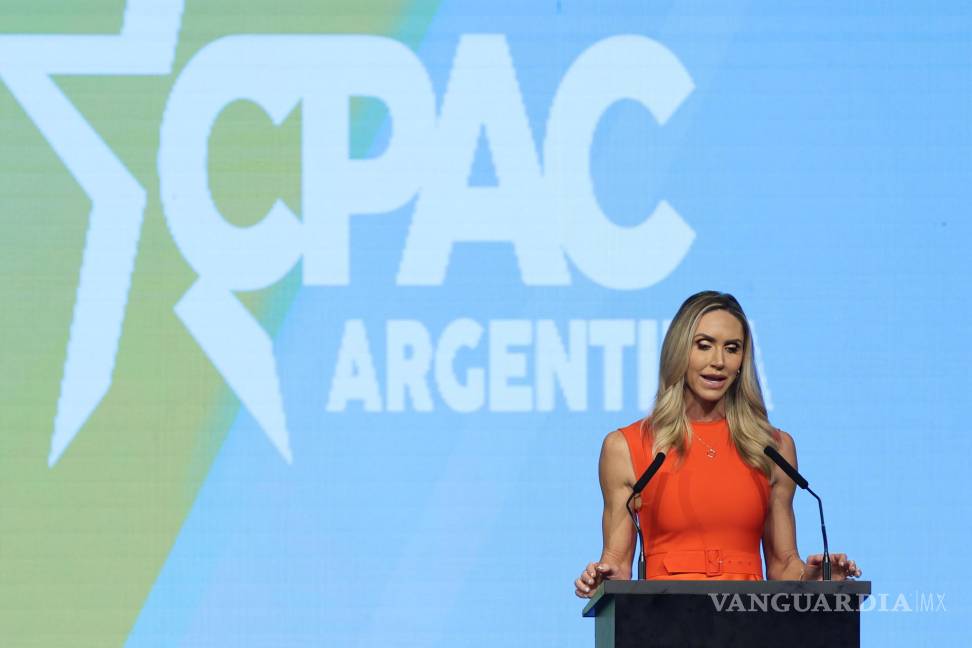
column 315, row 314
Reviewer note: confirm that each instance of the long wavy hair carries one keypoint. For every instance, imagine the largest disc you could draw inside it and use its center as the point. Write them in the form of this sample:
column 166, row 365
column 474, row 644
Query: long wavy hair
column 668, row 425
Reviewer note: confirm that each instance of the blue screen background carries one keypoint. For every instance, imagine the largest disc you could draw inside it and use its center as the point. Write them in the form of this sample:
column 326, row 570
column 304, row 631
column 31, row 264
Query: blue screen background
column 823, row 161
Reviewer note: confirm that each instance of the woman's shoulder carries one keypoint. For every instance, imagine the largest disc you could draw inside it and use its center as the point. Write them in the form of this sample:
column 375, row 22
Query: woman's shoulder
column 618, row 461
column 631, row 442
column 782, row 438
column 615, row 444
column 641, row 426
column 638, row 432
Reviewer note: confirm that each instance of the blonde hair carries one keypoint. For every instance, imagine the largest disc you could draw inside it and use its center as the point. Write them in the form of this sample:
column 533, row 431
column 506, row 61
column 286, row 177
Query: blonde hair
column 749, row 427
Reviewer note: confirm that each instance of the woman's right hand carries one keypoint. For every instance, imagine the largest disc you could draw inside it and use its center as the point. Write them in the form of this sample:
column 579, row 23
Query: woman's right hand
column 593, row 575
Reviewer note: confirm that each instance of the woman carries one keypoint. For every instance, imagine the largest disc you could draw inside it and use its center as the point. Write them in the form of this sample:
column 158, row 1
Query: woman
column 717, row 495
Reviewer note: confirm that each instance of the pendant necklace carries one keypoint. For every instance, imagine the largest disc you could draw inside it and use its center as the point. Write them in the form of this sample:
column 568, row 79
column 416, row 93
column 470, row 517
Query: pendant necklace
column 711, row 452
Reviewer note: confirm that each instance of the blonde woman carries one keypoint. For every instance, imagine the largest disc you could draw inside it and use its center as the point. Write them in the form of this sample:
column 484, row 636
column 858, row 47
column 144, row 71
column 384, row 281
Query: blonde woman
column 717, row 496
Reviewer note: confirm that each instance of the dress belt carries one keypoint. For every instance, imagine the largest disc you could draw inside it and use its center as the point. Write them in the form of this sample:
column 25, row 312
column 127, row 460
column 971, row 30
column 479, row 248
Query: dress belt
column 711, row 562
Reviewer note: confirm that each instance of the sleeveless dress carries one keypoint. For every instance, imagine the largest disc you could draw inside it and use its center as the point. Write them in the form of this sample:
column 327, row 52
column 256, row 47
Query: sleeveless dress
column 702, row 519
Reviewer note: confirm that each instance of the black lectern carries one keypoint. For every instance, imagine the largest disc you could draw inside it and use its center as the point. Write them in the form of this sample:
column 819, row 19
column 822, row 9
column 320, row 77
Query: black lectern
column 711, row 614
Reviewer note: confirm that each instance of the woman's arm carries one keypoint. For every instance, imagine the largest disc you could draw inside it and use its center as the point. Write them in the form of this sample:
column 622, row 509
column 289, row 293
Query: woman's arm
column 779, row 531
column 617, row 477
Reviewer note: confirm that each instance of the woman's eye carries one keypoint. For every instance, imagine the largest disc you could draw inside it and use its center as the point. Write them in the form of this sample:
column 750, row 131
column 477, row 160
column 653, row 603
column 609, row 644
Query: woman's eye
column 732, row 348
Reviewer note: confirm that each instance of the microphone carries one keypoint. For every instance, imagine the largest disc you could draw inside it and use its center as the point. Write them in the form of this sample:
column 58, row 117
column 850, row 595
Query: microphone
column 635, row 490
column 778, row 459
column 649, row 473
column 802, row 482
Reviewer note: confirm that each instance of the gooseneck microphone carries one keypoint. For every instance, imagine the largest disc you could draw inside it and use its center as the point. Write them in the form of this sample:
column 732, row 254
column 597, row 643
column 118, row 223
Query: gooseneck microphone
column 635, row 490
column 802, row 482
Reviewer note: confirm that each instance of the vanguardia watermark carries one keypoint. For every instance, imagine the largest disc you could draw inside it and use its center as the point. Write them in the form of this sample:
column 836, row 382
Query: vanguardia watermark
column 933, row 602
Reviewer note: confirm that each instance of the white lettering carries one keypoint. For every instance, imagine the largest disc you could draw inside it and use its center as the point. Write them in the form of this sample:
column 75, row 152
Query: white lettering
column 524, row 365
column 616, row 68
column 737, row 604
column 613, row 336
column 866, row 603
column 647, row 364
column 822, row 604
column 843, row 602
column 901, row 604
column 408, row 355
column 505, row 365
column 483, row 96
column 354, row 373
column 469, row 397
column 719, row 601
column 796, row 602
column 758, row 602
column 555, row 364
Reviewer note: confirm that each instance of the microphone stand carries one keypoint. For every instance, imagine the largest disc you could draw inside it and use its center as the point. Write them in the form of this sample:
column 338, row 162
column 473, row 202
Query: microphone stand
column 823, row 527
column 641, row 538
column 802, row 482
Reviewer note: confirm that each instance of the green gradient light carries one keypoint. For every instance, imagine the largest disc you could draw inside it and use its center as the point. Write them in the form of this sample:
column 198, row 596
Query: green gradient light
column 81, row 544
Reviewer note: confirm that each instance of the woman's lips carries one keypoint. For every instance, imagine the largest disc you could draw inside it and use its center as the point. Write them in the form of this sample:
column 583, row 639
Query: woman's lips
column 714, row 381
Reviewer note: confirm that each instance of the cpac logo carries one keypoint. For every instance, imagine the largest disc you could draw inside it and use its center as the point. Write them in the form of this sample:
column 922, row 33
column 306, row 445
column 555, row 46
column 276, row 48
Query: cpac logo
column 547, row 211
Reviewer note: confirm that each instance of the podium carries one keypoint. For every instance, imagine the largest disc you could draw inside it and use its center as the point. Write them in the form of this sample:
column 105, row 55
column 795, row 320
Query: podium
column 715, row 614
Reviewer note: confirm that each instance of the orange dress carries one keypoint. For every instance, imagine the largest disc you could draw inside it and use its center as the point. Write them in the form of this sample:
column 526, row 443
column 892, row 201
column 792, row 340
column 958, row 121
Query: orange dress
column 703, row 519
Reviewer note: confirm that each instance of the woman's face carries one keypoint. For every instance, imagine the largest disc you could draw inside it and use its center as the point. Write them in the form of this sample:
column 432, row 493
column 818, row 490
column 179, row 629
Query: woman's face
column 715, row 359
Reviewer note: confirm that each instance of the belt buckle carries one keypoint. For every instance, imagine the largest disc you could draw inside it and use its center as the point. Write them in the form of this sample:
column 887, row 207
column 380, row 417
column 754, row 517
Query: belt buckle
column 713, row 562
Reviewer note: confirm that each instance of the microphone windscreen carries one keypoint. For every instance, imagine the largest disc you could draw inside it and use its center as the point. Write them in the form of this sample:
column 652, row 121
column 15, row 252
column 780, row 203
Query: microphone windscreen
column 649, row 473
column 778, row 459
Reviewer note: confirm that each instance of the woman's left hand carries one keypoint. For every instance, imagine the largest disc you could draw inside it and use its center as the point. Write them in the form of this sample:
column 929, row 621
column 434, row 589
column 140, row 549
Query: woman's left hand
column 841, row 567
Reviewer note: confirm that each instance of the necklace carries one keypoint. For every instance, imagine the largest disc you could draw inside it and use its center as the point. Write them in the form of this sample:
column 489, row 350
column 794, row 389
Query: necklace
column 711, row 452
